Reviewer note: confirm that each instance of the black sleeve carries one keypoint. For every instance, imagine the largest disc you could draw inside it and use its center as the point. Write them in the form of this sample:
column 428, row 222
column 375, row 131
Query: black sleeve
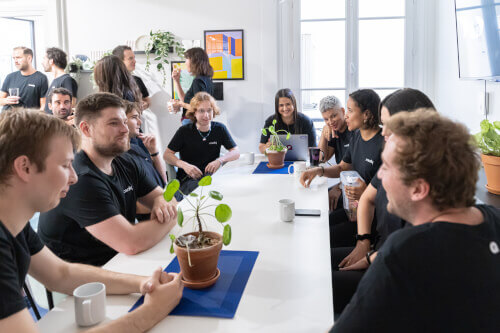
column 177, row 142
column 70, row 84
column 6, row 84
column 89, row 201
column 11, row 301
column 198, row 85
column 376, row 181
column 44, row 86
column 142, row 87
column 269, row 122
column 227, row 140
column 34, row 242
column 347, row 155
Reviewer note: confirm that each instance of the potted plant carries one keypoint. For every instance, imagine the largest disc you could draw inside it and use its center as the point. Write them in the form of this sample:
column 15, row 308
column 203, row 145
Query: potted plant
column 198, row 251
column 276, row 151
column 488, row 141
column 161, row 43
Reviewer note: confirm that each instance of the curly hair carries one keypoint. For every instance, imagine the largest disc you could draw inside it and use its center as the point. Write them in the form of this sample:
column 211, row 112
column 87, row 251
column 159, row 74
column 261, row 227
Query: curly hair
column 439, row 151
column 368, row 101
column 196, row 101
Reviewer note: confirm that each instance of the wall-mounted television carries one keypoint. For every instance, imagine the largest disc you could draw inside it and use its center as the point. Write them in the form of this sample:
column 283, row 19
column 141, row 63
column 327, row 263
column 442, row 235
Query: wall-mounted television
column 478, row 38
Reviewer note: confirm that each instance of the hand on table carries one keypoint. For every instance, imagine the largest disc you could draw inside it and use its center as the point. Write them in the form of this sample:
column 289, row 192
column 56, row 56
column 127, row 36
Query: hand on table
column 357, row 254
column 307, row 176
column 359, row 265
column 163, row 211
column 163, row 292
column 213, row 166
column 354, row 192
column 192, row 171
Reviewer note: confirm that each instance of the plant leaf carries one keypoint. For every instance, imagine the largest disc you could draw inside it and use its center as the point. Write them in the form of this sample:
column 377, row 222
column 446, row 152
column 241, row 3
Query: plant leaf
column 159, row 66
column 226, row 235
column 223, row 213
column 171, row 189
column 193, row 194
column 288, row 136
column 274, row 121
column 180, row 216
column 172, row 239
column 264, row 131
column 271, row 128
column 215, row 195
column 205, row 181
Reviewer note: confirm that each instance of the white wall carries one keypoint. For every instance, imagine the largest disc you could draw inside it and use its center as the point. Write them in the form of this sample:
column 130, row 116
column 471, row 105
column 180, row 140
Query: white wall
column 458, row 99
column 101, row 25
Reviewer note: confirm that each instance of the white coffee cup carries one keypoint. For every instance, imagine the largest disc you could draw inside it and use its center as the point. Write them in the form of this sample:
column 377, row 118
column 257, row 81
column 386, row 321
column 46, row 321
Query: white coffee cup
column 287, row 210
column 248, row 158
column 298, row 168
column 90, row 303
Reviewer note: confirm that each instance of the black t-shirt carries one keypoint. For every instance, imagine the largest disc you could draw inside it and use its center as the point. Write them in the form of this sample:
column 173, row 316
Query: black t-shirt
column 200, row 83
column 387, row 223
column 304, row 125
column 144, row 158
column 340, row 144
column 93, row 199
column 142, row 86
column 193, row 150
column 15, row 258
column 365, row 155
column 31, row 88
column 435, row 277
column 63, row 81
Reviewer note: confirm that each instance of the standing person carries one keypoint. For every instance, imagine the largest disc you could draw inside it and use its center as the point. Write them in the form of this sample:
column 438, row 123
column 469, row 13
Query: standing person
column 440, row 275
column 60, row 105
column 362, row 156
column 199, row 143
column 288, row 118
column 198, row 64
column 111, row 75
column 55, row 61
column 36, row 151
column 348, row 263
column 96, row 220
column 31, row 83
column 126, row 55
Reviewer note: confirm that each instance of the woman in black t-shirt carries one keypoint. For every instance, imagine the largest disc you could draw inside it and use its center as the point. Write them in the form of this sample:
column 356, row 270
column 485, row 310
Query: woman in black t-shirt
column 288, row 119
column 198, row 64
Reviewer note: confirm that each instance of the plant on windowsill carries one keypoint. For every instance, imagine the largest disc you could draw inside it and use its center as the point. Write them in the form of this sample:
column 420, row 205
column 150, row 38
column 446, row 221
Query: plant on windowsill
column 162, row 43
column 198, row 252
column 276, row 151
column 488, row 141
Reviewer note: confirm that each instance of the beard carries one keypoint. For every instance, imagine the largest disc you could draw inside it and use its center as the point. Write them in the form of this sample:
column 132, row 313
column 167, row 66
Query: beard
column 112, row 150
column 62, row 113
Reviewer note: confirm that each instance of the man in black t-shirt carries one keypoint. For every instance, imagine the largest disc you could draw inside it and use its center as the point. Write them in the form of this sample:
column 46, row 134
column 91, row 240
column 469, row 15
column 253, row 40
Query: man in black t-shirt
column 126, row 55
column 36, row 151
column 55, row 61
column 96, row 219
column 31, row 84
column 60, row 105
column 441, row 275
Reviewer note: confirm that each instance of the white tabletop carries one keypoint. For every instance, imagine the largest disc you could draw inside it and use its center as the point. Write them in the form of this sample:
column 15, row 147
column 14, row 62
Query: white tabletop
column 289, row 289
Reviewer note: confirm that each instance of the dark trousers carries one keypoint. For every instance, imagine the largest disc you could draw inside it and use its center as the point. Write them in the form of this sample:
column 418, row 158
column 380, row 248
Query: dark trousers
column 344, row 283
column 342, row 230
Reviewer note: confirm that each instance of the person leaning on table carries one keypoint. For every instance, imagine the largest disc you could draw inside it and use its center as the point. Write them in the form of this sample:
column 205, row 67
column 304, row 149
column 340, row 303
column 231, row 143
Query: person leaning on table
column 36, row 154
column 441, row 274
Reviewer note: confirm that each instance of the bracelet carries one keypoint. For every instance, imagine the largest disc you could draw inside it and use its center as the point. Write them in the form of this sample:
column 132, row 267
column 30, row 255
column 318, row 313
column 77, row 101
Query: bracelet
column 323, row 171
column 368, row 257
column 155, row 154
column 220, row 161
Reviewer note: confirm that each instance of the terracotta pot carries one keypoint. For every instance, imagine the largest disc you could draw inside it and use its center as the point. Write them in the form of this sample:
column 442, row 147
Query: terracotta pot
column 276, row 158
column 203, row 261
column 492, row 170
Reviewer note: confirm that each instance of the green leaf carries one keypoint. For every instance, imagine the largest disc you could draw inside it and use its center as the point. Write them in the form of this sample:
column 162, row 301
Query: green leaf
column 172, row 187
column 271, row 128
column 497, row 124
column 158, row 58
column 223, row 213
column 159, row 66
column 264, row 131
column 215, row 195
column 202, row 197
column 172, row 239
column 274, row 121
column 205, row 181
column 193, row 194
column 180, row 216
column 226, row 235
column 288, row 136
column 279, row 148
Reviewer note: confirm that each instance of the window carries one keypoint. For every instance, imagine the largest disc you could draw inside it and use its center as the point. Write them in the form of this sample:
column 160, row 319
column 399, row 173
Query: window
column 346, row 45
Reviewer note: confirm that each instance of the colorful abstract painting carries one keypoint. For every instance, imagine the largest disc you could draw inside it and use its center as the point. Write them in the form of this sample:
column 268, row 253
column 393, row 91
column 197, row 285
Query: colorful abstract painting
column 225, row 51
column 186, row 78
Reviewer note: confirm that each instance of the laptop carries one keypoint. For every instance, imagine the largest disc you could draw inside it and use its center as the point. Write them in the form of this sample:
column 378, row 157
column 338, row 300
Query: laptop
column 297, row 147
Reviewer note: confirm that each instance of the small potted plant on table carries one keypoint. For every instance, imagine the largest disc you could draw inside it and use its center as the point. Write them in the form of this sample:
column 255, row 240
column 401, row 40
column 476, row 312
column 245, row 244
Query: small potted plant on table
column 488, row 141
column 198, row 251
column 276, row 151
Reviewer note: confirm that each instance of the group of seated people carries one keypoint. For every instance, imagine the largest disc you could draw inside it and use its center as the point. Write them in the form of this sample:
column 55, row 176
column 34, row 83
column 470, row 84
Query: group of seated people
column 420, row 249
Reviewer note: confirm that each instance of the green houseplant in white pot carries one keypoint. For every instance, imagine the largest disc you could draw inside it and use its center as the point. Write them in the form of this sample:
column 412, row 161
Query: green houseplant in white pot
column 488, row 141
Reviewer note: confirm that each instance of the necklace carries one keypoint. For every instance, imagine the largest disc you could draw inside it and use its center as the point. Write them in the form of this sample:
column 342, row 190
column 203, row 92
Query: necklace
column 204, row 138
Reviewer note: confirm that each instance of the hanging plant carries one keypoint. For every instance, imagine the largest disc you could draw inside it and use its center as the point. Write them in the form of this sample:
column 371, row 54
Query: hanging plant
column 161, row 44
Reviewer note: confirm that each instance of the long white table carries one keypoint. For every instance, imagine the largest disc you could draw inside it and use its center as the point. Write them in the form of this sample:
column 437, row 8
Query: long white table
column 290, row 287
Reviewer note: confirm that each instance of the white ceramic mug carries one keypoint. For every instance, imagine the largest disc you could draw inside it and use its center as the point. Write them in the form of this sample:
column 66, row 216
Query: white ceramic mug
column 298, row 168
column 287, row 210
column 248, row 158
column 90, row 303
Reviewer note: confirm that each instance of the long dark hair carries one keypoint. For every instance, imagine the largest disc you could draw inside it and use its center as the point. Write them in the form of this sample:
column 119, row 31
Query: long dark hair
column 286, row 92
column 368, row 101
column 406, row 99
column 111, row 75
column 200, row 64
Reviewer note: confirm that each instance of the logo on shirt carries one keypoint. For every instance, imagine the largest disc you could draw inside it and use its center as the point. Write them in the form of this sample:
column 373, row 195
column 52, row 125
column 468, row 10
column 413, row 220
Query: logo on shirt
column 369, row 161
column 31, row 85
column 128, row 189
column 347, row 145
column 212, row 143
column 494, row 247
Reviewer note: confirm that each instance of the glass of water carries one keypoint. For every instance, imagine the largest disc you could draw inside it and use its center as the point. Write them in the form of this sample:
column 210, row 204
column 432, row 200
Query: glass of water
column 14, row 92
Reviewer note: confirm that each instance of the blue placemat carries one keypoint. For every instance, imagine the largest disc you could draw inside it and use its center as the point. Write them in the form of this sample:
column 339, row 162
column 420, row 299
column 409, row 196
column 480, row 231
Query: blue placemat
column 262, row 168
column 221, row 299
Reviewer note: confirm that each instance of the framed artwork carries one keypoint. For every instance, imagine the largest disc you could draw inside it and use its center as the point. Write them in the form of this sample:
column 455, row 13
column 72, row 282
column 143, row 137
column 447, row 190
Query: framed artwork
column 225, row 52
column 186, row 78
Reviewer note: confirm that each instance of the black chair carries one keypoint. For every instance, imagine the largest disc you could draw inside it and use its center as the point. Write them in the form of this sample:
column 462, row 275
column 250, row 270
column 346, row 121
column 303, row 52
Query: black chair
column 32, row 301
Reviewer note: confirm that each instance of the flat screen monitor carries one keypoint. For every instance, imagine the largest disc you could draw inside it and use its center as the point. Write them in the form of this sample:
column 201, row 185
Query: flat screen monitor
column 478, row 38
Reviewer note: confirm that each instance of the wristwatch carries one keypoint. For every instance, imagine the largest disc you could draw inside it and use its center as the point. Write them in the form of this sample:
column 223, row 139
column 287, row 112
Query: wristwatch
column 363, row 237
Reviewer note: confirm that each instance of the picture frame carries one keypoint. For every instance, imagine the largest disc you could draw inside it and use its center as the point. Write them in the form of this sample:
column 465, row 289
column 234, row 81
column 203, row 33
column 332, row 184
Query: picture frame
column 225, row 49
